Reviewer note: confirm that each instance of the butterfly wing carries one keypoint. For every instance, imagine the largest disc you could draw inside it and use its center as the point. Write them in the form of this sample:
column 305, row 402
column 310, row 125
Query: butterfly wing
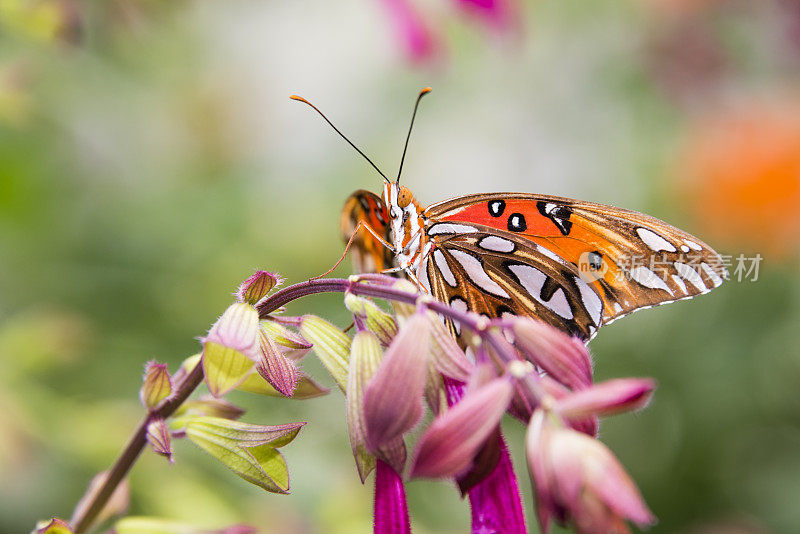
column 630, row 260
column 495, row 272
column 369, row 255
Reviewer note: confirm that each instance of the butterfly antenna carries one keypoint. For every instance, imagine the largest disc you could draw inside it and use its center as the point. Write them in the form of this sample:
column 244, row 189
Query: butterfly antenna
column 410, row 126
column 301, row 99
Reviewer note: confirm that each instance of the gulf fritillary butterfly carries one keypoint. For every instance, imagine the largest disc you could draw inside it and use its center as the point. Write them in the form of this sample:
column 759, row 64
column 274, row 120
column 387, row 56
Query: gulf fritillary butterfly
column 573, row 264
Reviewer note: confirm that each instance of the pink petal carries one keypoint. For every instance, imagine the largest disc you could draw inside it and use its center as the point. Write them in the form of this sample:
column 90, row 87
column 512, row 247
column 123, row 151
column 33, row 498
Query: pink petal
column 563, row 357
column 393, row 398
column 391, row 509
column 608, row 398
column 448, row 446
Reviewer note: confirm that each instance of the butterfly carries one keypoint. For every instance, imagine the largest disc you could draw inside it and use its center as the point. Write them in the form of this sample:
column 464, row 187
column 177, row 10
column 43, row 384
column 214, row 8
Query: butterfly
column 575, row 265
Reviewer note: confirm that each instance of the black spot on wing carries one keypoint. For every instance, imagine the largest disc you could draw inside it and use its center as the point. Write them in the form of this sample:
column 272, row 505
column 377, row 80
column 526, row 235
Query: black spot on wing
column 517, row 223
column 497, row 207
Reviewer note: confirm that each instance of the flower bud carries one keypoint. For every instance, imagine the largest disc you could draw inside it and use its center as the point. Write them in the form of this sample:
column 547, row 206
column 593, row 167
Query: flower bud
column 375, row 319
column 393, row 398
column 578, row 480
column 563, row 357
column 283, row 336
column 403, row 310
column 365, row 356
column 448, row 446
column 257, row 287
column 159, row 438
column 157, row 384
column 230, row 348
column 274, row 367
column 331, row 345
column 607, row 398
column 54, row 526
column 446, row 355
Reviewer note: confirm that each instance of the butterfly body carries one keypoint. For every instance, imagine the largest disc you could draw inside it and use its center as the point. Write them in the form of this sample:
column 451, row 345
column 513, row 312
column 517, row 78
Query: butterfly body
column 576, row 265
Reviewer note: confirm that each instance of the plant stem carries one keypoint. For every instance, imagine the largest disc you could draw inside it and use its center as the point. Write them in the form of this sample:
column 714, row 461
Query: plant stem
column 93, row 502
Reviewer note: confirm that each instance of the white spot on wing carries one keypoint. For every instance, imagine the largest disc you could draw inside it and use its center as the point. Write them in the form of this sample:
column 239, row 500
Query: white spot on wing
column 549, row 253
column 450, row 228
column 692, row 245
column 422, row 274
column 477, row 275
column 617, row 308
column 444, row 268
column 715, row 278
column 460, row 305
column 655, row 241
column 591, row 301
column 496, row 244
column 648, row 278
column 684, row 248
column 679, row 282
column 532, row 279
column 689, row 274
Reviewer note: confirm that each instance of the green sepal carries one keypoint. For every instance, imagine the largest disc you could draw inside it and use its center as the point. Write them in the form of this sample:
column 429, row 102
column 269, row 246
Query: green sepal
column 247, row 450
column 283, row 336
column 224, row 368
column 331, row 345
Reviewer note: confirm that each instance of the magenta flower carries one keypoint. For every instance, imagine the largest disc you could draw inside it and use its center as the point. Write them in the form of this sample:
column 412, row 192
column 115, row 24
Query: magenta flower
column 421, row 42
column 391, row 509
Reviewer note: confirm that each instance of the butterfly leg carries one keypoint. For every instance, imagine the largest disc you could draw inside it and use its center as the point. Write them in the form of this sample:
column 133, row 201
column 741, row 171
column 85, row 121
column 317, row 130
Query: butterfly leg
column 361, row 224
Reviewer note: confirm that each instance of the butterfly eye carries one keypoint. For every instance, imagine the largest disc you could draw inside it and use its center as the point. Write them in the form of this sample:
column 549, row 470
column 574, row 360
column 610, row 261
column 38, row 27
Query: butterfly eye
column 404, row 197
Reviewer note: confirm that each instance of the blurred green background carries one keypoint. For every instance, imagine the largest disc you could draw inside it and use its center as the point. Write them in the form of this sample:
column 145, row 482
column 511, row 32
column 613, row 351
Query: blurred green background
column 150, row 158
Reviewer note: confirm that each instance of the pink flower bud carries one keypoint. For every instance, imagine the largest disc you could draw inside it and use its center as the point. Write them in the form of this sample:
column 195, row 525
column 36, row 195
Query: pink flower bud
column 393, row 398
column 448, row 446
column 608, row 398
column 274, row 367
column 159, row 438
column 563, row 357
column 54, row 526
column 257, row 287
column 157, row 384
column 236, row 329
column 579, row 481
column 447, row 357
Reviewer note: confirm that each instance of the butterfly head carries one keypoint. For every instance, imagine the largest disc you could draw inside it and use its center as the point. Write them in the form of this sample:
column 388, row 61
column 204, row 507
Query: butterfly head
column 405, row 221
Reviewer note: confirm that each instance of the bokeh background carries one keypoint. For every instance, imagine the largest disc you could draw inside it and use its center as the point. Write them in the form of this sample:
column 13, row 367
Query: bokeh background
column 150, row 159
